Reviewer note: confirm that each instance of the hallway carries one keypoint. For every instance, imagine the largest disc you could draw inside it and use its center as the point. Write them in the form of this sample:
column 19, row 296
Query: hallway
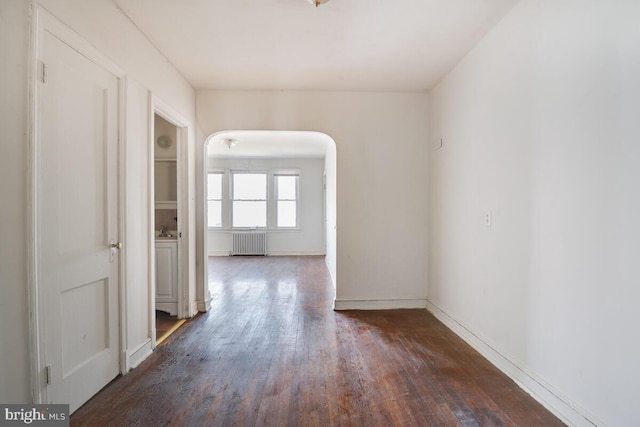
column 271, row 351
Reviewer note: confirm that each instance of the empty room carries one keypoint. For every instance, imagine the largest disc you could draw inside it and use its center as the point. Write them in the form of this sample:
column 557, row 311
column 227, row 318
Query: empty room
column 359, row 212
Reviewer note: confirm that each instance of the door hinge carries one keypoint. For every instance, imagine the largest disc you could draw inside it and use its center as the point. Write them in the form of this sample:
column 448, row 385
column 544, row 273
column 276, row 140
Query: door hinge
column 47, row 372
column 44, row 73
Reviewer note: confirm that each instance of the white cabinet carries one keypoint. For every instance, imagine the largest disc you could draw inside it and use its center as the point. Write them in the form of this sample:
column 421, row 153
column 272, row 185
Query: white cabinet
column 167, row 276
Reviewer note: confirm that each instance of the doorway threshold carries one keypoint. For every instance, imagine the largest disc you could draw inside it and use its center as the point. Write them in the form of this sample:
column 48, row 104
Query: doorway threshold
column 166, row 325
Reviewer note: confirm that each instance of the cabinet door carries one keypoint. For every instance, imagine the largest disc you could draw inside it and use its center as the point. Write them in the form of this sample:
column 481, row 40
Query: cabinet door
column 166, row 272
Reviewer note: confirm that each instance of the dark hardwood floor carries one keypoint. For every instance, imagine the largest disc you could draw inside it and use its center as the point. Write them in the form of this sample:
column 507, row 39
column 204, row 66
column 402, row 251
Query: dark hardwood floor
column 166, row 324
column 272, row 352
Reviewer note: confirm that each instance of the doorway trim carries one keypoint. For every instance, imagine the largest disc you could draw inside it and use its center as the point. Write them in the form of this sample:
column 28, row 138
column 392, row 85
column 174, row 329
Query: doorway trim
column 43, row 22
column 185, row 295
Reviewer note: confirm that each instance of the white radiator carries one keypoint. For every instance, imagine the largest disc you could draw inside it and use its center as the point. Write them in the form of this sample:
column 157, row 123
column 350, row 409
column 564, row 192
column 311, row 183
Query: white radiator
column 249, row 243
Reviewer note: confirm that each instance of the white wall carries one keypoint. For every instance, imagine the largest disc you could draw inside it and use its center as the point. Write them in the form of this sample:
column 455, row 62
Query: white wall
column 104, row 26
column 308, row 239
column 330, row 164
column 540, row 125
column 203, row 296
column 14, row 316
column 381, row 155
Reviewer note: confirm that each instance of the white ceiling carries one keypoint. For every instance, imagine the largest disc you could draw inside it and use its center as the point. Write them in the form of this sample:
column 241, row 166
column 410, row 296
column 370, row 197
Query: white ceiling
column 270, row 144
column 354, row 45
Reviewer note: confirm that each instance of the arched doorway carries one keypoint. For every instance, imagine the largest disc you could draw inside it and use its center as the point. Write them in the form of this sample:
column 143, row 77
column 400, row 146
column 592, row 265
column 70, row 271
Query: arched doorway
column 275, row 156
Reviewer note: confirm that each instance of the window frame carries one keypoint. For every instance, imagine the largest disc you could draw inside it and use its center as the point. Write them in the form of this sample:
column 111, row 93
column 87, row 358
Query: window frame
column 221, row 200
column 232, row 199
column 277, row 199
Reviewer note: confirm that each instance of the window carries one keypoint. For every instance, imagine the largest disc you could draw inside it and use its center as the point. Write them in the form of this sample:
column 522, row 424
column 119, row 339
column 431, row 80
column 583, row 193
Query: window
column 249, row 199
column 253, row 199
column 286, row 200
column 214, row 199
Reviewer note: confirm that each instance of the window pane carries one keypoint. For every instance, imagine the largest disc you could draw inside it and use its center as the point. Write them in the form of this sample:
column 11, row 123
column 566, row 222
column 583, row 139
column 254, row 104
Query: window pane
column 214, row 211
column 286, row 213
column 214, row 186
column 286, row 187
column 249, row 186
column 249, row 214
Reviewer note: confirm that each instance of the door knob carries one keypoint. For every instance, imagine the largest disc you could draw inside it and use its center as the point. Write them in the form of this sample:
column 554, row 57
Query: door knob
column 117, row 245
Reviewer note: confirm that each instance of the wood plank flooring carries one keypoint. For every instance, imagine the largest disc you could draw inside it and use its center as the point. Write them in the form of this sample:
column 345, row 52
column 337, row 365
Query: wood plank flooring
column 272, row 352
column 166, row 324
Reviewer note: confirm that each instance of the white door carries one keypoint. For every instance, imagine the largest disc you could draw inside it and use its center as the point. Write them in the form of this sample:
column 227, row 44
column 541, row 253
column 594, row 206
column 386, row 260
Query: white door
column 77, row 213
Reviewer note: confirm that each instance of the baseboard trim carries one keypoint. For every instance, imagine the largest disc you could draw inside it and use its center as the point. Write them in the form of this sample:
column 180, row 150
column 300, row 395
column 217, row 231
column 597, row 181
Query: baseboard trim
column 561, row 406
column 379, row 304
column 169, row 307
column 276, row 253
column 218, row 253
column 204, row 306
column 194, row 308
column 137, row 356
column 296, row 253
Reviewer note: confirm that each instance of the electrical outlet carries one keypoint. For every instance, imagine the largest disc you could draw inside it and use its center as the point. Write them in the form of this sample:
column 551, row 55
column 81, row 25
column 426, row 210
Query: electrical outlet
column 487, row 218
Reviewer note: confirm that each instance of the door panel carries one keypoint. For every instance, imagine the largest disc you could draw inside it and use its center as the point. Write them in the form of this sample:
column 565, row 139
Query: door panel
column 167, row 277
column 77, row 218
column 85, row 324
column 165, row 274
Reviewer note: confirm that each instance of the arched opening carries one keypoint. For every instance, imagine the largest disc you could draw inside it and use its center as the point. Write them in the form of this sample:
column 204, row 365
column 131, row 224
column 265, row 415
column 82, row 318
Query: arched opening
column 300, row 222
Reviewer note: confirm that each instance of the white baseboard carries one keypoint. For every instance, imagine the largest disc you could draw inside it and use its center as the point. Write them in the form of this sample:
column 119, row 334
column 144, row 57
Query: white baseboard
column 204, row 306
column 138, row 355
column 194, row 308
column 296, row 253
column 276, row 253
column 561, row 406
column 169, row 307
column 378, row 304
column 218, row 253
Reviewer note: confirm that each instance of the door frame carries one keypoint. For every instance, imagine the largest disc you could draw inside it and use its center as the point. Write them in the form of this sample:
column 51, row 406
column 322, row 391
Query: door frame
column 43, row 22
column 185, row 295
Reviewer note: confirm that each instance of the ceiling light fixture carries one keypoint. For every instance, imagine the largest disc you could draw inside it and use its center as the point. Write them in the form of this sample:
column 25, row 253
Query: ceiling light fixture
column 229, row 142
column 317, row 3
column 164, row 141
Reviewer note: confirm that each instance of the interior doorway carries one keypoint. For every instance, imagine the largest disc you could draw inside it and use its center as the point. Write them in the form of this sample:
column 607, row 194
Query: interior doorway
column 302, row 160
column 168, row 242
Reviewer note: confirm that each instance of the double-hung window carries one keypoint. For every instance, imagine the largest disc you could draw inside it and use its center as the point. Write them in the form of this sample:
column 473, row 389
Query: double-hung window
column 249, row 199
column 286, row 200
column 214, row 199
